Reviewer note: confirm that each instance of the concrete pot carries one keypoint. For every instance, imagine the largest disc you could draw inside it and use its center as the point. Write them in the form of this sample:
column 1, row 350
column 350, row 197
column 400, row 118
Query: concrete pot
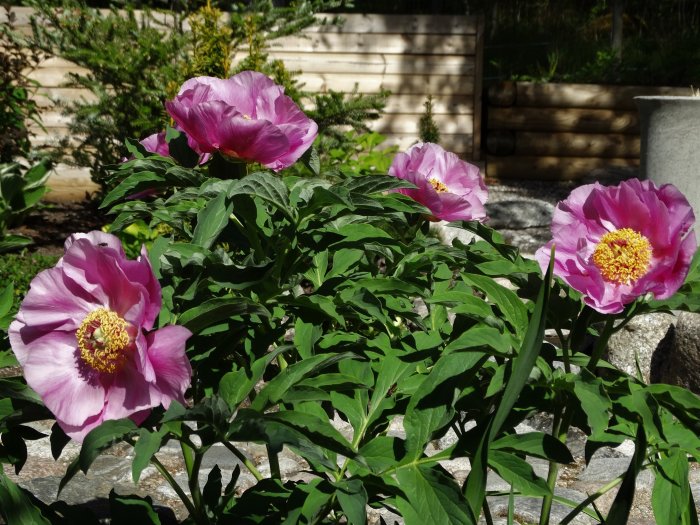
column 670, row 144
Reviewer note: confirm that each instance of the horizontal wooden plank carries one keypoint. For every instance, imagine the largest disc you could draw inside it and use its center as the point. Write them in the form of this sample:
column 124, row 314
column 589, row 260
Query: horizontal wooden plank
column 563, row 144
column 397, row 84
column 350, row 22
column 549, row 168
column 52, row 96
column 57, row 124
column 371, row 43
column 70, row 183
column 375, row 63
column 531, row 94
column 391, row 23
column 564, row 119
column 460, row 144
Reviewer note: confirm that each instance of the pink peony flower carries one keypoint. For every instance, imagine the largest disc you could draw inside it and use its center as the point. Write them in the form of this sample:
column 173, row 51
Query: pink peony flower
column 614, row 244
column 156, row 143
column 81, row 336
column 246, row 116
column 452, row 189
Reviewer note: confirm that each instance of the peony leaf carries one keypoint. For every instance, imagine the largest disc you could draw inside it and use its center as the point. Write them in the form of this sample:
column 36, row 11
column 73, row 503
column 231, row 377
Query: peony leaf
column 16, row 506
column 274, row 390
column 430, row 408
column 267, row 187
column 595, row 403
column 103, row 437
column 352, row 497
column 129, row 510
column 537, row 444
column 671, row 490
column 219, row 309
column 432, row 495
column 148, row 443
column 622, row 505
column 518, row 473
column 211, row 220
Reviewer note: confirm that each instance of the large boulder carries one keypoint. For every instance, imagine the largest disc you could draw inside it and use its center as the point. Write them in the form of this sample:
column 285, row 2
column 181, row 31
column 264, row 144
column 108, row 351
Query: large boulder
column 682, row 365
column 647, row 341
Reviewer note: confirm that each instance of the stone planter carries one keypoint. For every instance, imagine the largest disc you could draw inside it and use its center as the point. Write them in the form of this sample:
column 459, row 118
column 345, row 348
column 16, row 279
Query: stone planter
column 670, row 144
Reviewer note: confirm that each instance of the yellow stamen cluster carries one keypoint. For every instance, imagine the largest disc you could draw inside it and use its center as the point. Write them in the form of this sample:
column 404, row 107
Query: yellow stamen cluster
column 103, row 340
column 622, row 256
column 439, row 186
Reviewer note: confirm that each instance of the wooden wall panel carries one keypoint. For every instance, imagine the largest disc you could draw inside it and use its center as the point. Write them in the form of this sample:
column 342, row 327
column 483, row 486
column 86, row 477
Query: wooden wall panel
column 412, row 56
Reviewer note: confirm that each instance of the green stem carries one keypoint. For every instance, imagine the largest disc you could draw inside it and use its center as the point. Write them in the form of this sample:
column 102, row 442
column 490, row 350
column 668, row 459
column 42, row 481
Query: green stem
column 591, row 498
column 274, row 464
column 195, row 491
column 194, row 513
column 601, row 345
column 243, row 459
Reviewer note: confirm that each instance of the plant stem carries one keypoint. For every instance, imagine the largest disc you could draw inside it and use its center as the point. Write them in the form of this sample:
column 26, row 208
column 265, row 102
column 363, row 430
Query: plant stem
column 194, row 513
column 601, row 345
column 243, row 459
column 274, row 464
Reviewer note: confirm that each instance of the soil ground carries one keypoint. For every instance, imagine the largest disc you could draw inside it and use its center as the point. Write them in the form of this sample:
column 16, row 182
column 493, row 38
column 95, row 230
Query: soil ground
column 50, row 224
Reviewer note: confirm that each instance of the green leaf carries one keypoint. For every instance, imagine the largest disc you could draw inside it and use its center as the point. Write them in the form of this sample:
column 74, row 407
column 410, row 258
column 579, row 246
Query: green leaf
column 305, row 336
column 211, row 220
column 103, row 437
column 383, row 453
column 219, row 309
column 211, row 494
column 267, row 187
column 671, row 491
column 595, row 403
column 235, row 386
column 311, row 160
column 352, row 497
column 139, row 181
column 16, row 507
column 537, row 444
column 521, row 366
column 506, row 300
column 518, row 473
column 130, row 510
column 274, row 390
column 431, row 406
column 13, row 242
column 146, row 446
column 620, row 509
column 431, row 497
column 6, row 299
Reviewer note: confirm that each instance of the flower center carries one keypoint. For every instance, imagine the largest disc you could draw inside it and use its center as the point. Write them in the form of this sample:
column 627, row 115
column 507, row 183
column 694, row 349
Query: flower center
column 104, row 340
column 622, row 256
column 440, row 187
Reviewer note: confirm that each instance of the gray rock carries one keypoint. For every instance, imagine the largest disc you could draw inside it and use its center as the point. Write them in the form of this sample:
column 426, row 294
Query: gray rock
column 682, row 365
column 527, row 510
column 647, row 340
column 519, row 214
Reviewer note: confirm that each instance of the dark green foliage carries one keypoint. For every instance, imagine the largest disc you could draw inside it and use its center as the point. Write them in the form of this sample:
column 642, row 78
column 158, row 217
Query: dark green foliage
column 133, row 61
column 428, row 130
column 334, row 112
column 21, row 189
column 570, row 41
column 20, row 268
column 17, row 109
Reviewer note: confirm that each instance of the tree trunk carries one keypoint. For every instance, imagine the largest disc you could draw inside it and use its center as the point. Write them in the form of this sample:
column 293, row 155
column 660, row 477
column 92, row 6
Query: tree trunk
column 616, row 35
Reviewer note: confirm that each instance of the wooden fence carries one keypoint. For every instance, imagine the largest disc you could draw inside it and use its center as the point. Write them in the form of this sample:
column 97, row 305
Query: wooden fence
column 411, row 56
column 562, row 131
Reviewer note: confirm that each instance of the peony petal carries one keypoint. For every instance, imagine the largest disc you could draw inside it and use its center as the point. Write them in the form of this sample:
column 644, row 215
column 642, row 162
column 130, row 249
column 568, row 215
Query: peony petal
column 166, row 351
column 55, row 302
column 52, row 367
